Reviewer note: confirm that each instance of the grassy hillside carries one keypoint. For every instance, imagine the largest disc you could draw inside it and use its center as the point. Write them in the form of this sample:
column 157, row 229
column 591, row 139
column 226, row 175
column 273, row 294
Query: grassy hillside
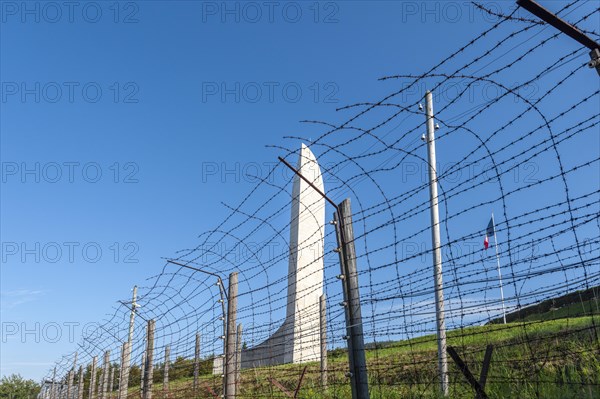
column 532, row 359
column 573, row 304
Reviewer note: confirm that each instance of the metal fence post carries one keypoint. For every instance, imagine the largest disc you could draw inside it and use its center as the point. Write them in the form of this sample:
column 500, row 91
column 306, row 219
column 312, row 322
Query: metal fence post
column 349, row 277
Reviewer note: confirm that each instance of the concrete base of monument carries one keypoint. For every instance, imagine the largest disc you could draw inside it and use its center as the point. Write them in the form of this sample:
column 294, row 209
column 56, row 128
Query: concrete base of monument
column 281, row 348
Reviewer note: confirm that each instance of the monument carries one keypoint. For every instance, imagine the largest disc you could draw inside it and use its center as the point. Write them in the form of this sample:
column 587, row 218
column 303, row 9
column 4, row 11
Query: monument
column 297, row 339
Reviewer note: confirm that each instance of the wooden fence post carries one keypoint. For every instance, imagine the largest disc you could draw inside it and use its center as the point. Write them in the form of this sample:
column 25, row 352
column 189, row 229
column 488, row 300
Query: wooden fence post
column 149, row 369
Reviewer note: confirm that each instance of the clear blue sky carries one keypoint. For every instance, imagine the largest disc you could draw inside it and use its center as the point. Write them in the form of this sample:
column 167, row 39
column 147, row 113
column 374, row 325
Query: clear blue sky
column 161, row 98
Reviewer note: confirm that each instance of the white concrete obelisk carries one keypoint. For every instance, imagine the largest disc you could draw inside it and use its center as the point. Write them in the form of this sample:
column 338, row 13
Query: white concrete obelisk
column 305, row 271
column 298, row 340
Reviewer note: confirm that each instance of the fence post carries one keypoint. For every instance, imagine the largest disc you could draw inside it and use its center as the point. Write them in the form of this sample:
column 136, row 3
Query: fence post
column 80, row 383
column 121, row 372
column 111, row 382
column 142, row 374
column 323, row 334
column 107, row 369
column 91, row 394
column 143, row 364
column 99, row 384
column 124, row 380
column 356, row 344
column 238, row 358
column 71, row 377
column 224, row 318
column 52, row 394
column 196, row 363
column 166, row 370
column 149, row 369
column 230, row 362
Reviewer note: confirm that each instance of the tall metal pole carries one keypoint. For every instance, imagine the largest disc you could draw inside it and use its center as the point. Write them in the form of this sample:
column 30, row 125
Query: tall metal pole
column 437, row 251
column 230, row 362
column 323, row 334
column 499, row 272
column 356, row 344
column 124, row 382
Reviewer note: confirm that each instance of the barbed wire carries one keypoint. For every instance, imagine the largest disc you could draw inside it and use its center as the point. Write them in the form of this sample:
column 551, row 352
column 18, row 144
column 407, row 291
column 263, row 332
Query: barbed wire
column 526, row 152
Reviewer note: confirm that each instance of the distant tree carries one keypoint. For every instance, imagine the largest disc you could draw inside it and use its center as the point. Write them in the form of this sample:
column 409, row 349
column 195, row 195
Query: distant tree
column 181, row 368
column 16, row 387
column 135, row 376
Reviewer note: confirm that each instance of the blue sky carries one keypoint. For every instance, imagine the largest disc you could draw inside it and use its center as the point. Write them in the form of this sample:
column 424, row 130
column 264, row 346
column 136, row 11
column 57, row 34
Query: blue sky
column 137, row 119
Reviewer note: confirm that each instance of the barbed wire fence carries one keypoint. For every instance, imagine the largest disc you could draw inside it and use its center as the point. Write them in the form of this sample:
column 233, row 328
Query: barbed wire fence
column 528, row 151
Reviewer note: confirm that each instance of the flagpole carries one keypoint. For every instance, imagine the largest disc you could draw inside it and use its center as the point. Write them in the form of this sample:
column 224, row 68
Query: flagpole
column 499, row 272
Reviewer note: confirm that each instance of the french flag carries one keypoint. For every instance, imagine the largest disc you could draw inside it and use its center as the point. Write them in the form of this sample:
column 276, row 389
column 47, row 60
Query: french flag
column 489, row 231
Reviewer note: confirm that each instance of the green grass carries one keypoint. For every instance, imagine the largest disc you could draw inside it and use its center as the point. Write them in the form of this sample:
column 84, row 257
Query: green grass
column 532, row 359
column 591, row 306
column 573, row 304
